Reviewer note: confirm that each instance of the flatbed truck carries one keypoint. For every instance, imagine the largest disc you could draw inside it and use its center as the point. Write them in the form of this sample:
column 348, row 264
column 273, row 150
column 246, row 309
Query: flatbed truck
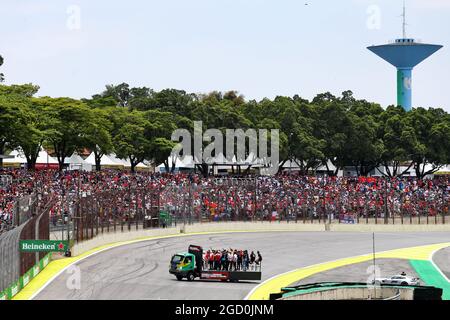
column 189, row 265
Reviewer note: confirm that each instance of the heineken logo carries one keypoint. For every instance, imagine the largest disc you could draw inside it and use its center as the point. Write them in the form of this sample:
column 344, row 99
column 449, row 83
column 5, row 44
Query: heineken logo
column 43, row 246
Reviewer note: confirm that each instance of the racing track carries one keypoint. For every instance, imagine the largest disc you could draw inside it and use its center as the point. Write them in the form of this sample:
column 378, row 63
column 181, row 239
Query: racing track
column 140, row 270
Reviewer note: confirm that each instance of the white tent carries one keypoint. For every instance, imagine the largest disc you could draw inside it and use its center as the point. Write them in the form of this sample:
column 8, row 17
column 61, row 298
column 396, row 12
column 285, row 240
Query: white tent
column 126, row 163
column 105, row 162
column 45, row 158
column 76, row 162
column 188, row 163
column 444, row 171
column 17, row 161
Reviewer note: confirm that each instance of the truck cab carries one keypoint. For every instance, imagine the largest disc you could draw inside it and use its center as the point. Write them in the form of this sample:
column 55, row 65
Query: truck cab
column 182, row 265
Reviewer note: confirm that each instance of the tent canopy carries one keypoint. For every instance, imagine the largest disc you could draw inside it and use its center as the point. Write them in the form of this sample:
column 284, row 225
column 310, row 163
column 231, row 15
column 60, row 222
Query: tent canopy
column 105, row 161
column 19, row 157
column 76, row 162
column 126, row 163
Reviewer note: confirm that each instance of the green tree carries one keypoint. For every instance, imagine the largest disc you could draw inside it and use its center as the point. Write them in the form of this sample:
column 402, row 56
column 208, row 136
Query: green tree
column 123, row 96
column 333, row 127
column 159, row 133
column 69, row 128
column 10, row 116
column 23, row 90
column 130, row 140
column 172, row 100
column 398, row 140
column 430, row 140
column 363, row 148
column 98, row 135
column 219, row 115
column 14, row 114
column 35, row 128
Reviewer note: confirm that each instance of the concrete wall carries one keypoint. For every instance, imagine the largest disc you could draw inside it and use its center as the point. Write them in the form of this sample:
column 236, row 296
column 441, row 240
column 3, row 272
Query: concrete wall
column 366, row 293
column 119, row 236
column 254, row 226
column 390, row 228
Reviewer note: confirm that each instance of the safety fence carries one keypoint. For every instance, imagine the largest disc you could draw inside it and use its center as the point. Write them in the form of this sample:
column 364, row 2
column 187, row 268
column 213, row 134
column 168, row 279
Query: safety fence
column 23, row 209
column 117, row 210
column 240, row 200
column 23, row 280
column 16, row 268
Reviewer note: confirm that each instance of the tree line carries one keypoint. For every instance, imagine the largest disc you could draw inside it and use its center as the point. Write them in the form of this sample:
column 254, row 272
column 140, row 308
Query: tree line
column 137, row 123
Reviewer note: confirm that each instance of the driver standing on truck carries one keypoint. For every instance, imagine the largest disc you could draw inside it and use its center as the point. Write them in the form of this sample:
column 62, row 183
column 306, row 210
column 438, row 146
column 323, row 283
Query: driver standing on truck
column 224, row 260
column 211, row 260
column 245, row 260
column 205, row 260
column 252, row 259
column 230, row 261
column 217, row 257
column 235, row 258
column 258, row 259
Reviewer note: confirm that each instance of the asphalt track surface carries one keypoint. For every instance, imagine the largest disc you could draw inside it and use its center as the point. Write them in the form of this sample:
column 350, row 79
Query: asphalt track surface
column 140, row 270
column 363, row 272
column 442, row 260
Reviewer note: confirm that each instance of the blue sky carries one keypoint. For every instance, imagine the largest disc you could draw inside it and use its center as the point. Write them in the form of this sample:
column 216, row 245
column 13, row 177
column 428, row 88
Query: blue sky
column 261, row 48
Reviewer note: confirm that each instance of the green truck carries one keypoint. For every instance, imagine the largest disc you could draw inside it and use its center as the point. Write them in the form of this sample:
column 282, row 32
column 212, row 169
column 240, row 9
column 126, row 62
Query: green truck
column 189, row 265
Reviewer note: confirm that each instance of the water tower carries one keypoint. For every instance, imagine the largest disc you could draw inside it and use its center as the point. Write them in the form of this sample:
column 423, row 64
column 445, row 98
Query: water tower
column 405, row 54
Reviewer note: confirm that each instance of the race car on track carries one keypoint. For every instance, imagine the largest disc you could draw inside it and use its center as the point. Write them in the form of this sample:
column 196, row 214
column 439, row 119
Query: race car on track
column 398, row 280
column 189, row 265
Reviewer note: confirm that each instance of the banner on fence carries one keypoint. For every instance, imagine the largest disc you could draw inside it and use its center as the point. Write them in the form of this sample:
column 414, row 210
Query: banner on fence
column 15, row 288
column 43, row 246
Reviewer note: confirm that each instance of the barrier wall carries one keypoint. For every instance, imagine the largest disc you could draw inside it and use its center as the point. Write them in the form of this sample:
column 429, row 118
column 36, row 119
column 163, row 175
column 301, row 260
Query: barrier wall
column 15, row 265
column 365, row 293
column 22, row 281
column 389, row 228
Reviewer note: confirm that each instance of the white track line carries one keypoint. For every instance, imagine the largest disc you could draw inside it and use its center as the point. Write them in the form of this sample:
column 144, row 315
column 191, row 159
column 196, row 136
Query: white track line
column 434, row 264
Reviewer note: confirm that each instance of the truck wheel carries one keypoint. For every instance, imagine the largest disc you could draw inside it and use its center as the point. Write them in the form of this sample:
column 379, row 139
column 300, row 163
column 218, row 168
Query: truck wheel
column 179, row 278
column 190, row 276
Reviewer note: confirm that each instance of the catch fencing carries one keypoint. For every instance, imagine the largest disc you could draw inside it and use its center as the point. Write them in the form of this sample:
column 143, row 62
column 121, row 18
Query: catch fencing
column 117, row 210
column 13, row 263
column 238, row 200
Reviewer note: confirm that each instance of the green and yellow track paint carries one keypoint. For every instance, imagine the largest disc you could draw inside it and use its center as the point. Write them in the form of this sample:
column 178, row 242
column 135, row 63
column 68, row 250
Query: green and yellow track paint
column 261, row 292
column 432, row 276
column 57, row 267
column 421, row 254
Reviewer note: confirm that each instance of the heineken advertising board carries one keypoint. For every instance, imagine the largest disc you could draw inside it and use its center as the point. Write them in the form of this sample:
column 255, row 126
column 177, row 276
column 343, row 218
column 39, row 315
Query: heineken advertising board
column 43, row 246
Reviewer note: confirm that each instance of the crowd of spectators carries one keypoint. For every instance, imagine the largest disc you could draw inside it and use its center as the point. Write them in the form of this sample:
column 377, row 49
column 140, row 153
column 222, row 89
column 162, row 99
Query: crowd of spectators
column 231, row 260
column 286, row 196
column 292, row 196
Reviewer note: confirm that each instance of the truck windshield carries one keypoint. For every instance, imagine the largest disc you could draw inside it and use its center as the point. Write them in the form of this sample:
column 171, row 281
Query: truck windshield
column 177, row 259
